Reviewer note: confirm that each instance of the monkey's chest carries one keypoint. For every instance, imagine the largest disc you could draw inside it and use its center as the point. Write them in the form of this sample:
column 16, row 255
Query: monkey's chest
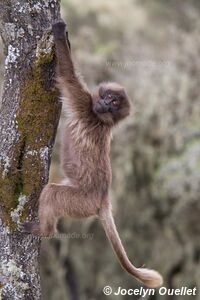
column 86, row 160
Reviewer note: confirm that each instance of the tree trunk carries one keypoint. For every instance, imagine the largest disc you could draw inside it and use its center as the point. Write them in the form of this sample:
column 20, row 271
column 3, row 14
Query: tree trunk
column 29, row 116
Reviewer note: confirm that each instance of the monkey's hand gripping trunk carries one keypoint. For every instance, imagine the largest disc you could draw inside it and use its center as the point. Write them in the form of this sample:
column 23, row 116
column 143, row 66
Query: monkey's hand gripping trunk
column 150, row 278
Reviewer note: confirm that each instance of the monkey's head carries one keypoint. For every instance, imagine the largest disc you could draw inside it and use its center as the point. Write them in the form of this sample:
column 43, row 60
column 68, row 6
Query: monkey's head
column 111, row 103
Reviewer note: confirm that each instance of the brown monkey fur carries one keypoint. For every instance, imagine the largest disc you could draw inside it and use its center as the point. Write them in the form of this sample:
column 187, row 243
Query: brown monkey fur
column 85, row 156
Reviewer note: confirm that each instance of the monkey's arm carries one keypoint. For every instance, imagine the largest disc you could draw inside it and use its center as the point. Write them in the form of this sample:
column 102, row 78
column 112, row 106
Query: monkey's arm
column 76, row 95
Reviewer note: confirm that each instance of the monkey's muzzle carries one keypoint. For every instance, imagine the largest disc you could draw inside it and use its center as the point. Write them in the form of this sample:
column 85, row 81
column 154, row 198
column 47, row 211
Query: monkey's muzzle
column 101, row 107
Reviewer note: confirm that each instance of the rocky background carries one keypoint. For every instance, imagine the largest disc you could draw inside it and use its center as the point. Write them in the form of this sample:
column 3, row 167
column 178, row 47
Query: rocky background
column 153, row 49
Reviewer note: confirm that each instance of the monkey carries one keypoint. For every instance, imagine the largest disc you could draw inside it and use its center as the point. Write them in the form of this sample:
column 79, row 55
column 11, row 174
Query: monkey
column 85, row 156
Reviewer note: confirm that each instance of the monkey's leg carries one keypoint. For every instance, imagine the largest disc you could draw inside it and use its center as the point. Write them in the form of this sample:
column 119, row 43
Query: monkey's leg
column 48, row 214
column 47, row 221
column 59, row 200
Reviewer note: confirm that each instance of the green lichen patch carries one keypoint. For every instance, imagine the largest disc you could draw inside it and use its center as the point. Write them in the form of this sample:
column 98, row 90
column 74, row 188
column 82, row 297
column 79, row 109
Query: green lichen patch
column 11, row 185
column 37, row 118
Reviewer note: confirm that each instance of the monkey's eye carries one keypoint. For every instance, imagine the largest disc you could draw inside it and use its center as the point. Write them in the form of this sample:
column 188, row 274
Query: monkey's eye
column 115, row 102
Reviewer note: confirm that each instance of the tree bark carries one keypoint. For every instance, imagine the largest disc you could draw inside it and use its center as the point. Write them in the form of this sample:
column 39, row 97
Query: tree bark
column 29, row 116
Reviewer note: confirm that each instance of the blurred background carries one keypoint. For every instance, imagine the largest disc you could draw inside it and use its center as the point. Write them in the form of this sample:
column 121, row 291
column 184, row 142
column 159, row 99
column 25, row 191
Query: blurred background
column 153, row 49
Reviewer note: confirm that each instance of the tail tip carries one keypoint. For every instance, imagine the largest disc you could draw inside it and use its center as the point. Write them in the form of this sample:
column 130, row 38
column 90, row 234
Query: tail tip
column 151, row 278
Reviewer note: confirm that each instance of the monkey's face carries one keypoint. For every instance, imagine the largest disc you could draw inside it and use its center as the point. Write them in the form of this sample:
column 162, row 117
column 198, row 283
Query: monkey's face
column 111, row 103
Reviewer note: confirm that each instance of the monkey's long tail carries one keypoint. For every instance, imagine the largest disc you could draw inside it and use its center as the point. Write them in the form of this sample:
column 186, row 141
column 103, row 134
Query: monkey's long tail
column 148, row 277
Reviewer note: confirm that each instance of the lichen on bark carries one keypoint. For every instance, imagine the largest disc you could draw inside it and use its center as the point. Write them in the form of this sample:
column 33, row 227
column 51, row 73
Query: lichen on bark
column 35, row 120
column 29, row 112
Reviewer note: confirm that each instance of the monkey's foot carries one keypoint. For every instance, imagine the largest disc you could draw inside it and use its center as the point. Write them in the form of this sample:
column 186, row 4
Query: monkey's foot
column 59, row 29
column 29, row 227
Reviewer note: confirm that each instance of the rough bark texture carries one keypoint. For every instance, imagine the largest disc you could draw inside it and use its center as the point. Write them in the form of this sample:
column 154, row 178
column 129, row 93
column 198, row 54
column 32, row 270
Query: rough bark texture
column 28, row 120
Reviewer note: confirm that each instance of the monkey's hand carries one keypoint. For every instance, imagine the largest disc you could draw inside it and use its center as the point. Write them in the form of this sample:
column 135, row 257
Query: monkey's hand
column 60, row 32
column 59, row 29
